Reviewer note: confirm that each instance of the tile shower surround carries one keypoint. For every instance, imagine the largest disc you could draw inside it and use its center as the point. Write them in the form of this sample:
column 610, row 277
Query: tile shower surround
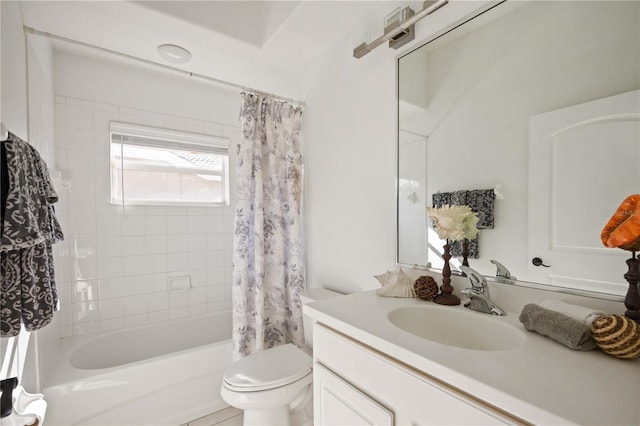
column 112, row 268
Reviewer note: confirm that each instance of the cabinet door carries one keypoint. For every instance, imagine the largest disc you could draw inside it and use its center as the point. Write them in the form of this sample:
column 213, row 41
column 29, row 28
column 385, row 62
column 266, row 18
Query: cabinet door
column 336, row 402
column 413, row 397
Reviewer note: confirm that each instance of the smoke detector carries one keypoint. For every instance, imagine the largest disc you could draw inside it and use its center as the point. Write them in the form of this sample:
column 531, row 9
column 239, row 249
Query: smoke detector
column 174, row 54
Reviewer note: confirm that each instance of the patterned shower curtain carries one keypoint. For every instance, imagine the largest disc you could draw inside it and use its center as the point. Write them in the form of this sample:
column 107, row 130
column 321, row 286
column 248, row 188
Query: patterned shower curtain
column 268, row 264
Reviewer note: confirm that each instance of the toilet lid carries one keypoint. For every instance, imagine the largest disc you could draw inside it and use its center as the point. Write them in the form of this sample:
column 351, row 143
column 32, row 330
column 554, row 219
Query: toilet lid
column 268, row 369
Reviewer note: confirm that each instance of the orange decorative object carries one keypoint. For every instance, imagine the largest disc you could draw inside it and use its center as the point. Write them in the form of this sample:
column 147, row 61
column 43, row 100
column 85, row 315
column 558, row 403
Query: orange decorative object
column 623, row 229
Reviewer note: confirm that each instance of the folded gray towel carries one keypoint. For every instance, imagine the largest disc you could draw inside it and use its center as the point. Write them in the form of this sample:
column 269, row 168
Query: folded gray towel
column 559, row 327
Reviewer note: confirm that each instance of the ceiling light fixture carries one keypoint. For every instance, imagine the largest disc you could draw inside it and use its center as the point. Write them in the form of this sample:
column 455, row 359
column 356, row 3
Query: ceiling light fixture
column 174, row 54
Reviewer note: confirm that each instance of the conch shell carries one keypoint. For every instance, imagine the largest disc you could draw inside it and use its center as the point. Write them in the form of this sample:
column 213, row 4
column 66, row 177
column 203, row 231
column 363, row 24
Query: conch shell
column 395, row 284
column 623, row 229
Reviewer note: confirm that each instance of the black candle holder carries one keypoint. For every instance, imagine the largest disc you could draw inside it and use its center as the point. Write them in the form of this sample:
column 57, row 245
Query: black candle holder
column 465, row 254
column 446, row 297
column 632, row 299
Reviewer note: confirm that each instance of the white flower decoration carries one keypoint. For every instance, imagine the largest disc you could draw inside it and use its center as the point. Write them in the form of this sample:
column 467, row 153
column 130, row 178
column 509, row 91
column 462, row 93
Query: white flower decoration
column 454, row 222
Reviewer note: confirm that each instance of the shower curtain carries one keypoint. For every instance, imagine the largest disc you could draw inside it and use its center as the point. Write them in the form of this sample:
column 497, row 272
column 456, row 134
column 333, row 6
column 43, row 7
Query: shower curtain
column 268, row 263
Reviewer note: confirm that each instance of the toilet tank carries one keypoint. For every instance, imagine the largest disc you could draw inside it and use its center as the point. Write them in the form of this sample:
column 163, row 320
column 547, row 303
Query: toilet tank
column 310, row 295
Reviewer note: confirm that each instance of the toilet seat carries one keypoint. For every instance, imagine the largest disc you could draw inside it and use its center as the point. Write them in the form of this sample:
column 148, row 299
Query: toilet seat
column 268, row 369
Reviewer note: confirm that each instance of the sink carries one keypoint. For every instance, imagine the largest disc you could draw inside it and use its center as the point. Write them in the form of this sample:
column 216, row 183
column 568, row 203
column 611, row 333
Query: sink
column 458, row 327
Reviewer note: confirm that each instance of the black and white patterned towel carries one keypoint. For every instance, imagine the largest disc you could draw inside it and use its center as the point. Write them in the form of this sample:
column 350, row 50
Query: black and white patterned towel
column 27, row 283
column 480, row 201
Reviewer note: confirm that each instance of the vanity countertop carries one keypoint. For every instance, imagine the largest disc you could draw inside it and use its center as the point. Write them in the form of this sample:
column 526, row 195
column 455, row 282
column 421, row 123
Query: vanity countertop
column 541, row 382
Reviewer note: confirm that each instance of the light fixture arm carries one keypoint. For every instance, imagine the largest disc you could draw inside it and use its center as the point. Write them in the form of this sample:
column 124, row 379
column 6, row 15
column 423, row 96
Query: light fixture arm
column 430, row 6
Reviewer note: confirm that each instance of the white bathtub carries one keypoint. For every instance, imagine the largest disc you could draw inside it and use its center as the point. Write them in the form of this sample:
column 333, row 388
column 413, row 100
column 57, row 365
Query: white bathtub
column 160, row 374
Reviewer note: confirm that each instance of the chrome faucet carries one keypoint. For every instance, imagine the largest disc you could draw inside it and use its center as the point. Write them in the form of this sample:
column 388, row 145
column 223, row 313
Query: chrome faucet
column 478, row 294
column 502, row 273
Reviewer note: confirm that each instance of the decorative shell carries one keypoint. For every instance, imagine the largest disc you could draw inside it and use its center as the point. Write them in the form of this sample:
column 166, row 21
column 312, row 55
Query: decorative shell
column 425, row 287
column 395, row 284
column 617, row 335
column 623, row 229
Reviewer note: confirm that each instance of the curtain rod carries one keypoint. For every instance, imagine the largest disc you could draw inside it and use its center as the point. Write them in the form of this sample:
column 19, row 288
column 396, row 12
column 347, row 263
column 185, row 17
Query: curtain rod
column 33, row 31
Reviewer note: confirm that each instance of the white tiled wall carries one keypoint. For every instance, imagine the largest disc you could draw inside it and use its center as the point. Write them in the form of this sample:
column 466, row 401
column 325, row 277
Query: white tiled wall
column 41, row 103
column 412, row 200
column 113, row 267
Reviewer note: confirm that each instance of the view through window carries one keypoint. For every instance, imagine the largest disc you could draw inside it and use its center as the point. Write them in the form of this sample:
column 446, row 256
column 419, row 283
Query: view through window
column 159, row 166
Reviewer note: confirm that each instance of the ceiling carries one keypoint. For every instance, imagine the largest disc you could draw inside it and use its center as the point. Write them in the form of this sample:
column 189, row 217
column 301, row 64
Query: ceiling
column 260, row 44
column 252, row 22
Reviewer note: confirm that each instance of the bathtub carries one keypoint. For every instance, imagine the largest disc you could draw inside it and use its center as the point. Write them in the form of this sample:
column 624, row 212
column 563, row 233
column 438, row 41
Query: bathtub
column 160, row 374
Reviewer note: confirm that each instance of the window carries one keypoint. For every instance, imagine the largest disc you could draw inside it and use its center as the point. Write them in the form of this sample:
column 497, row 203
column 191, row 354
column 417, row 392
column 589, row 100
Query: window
column 159, row 166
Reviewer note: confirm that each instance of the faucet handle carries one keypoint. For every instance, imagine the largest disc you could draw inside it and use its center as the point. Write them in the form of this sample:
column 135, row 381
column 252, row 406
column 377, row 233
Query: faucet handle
column 502, row 272
column 478, row 281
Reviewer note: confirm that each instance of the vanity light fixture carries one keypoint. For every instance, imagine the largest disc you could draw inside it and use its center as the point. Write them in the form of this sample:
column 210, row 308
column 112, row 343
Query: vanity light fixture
column 393, row 20
column 174, row 54
column 399, row 27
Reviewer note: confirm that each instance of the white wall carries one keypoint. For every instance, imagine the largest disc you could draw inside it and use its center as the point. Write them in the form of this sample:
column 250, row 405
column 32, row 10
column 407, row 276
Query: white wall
column 114, row 263
column 41, row 99
column 350, row 171
column 13, row 112
column 350, row 158
column 27, row 111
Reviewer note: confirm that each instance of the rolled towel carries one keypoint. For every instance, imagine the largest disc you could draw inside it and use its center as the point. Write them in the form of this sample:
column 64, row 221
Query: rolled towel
column 578, row 313
column 557, row 326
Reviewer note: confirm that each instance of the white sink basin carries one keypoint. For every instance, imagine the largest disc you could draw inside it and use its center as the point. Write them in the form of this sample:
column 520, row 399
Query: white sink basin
column 454, row 326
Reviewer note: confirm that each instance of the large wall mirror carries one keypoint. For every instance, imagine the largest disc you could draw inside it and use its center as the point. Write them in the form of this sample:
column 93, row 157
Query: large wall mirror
column 540, row 102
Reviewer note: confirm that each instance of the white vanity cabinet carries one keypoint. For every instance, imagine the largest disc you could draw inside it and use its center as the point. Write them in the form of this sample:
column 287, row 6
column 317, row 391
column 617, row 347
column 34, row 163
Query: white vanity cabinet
column 356, row 385
column 361, row 355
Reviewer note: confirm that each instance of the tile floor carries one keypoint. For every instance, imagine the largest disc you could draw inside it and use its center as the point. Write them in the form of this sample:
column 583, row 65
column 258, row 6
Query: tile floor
column 229, row 416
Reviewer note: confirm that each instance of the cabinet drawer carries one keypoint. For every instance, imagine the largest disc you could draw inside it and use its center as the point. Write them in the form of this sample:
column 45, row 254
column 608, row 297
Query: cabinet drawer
column 413, row 397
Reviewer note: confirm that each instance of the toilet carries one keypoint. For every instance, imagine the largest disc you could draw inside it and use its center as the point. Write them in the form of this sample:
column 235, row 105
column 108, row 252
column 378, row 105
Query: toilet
column 274, row 386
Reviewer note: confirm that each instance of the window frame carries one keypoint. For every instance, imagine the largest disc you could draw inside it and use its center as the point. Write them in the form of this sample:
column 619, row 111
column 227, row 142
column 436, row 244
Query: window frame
column 121, row 133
